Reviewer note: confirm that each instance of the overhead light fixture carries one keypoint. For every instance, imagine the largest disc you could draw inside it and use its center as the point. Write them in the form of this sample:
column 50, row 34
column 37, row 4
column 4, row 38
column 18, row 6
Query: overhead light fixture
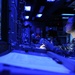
column 27, row 8
column 38, row 15
column 50, row 0
column 65, row 17
column 26, row 17
column 68, row 14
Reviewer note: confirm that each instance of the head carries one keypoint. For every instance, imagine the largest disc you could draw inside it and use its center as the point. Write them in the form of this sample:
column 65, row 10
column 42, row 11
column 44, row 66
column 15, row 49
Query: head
column 70, row 26
column 73, row 40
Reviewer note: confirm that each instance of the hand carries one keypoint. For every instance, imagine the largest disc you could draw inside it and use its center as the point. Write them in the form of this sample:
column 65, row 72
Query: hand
column 49, row 46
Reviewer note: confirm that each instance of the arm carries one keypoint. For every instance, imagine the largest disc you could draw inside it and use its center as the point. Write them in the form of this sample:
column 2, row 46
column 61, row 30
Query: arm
column 52, row 48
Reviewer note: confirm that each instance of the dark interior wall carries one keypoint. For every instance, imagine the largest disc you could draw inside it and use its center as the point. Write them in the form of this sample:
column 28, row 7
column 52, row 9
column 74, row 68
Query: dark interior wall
column 9, row 20
column 57, row 32
column 4, row 46
column 12, row 21
column 37, row 27
column 0, row 17
column 4, row 22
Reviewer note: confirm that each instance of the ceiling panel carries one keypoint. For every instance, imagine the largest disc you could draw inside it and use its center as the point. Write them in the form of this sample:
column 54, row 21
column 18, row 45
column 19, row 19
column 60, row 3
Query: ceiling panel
column 50, row 9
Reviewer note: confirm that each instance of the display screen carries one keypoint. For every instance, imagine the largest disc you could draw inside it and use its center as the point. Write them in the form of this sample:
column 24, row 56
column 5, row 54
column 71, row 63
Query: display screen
column 0, row 19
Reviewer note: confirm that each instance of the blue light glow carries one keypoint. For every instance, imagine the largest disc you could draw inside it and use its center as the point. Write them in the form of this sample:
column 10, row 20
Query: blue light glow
column 50, row 0
column 27, row 8
column 38, row 15
column 26, row 17
column 68, row 14
column 32, row 62
column 65, row 17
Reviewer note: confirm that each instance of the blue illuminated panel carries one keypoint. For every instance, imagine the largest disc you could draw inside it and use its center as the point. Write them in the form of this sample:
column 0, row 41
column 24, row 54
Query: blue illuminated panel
column 68, row 14
column 38, row 15
column 34, row 62
column 50, row 0
column 27, row 8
